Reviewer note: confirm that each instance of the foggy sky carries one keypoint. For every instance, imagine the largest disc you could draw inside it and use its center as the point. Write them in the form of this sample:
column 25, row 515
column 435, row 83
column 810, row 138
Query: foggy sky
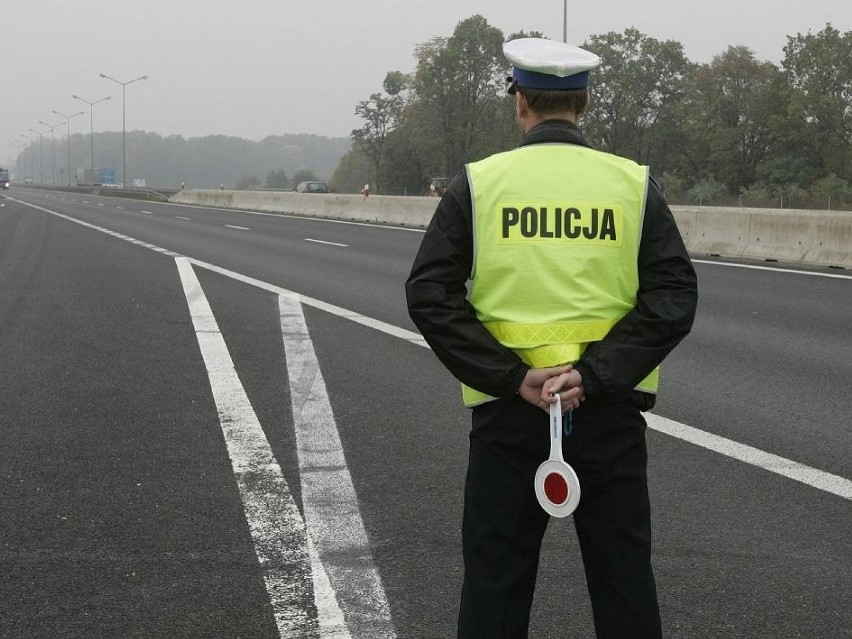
column 253, row 68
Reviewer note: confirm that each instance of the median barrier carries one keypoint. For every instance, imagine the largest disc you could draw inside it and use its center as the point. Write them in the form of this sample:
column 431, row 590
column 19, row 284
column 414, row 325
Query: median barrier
column 781, row 235
column 686, row 220
column 831, row 242
column 819, row 238
column 718, row 231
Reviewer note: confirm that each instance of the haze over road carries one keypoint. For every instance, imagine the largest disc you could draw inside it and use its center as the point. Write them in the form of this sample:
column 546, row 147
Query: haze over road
column 218, row 423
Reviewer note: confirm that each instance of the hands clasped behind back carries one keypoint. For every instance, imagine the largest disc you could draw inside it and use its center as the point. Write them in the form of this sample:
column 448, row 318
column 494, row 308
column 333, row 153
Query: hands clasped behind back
column 540, row 384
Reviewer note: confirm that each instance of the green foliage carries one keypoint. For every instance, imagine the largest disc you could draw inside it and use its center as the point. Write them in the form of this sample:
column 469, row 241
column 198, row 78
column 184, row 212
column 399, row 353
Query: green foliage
column 735, row 130
column 451, row 110
column 381, row 115
column 395, row 83
column 673, row 186
column 818, row 69
column 782, row 170
column 832, row 186
column 706, row 191
column 277, row 180
column 523, row 34
column 352, row 172
column 304, row 175
column 401, row 168
column 736, row 98
column 459, row 85
column 639, row 83
column 756, row 195
column 836, row 191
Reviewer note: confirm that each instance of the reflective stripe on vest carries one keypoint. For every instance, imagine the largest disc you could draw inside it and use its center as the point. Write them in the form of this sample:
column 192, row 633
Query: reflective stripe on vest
column 556, row 242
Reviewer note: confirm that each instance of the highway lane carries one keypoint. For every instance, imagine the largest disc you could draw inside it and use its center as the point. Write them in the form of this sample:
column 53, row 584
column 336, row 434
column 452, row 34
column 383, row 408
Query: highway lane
column 768, row 349
column 740, row 551
column 767, row 364
column 360, row 275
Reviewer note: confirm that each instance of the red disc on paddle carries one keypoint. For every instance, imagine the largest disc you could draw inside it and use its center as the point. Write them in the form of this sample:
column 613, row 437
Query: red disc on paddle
column 556, row 488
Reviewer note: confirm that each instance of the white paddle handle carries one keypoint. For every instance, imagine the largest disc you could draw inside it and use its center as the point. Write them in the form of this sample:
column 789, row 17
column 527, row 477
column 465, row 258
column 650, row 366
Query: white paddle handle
column 556, row 430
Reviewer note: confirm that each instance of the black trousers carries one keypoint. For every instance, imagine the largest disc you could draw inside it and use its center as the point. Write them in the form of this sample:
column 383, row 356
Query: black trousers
column 503, row 524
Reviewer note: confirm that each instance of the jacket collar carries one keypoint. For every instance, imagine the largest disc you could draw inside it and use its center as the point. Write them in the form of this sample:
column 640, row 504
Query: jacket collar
column 554, row 131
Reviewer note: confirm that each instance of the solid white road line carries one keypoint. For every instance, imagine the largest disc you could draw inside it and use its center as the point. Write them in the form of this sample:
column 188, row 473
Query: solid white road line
column 307, row 239
column 758, row 267
column 332, row 514
column 834, row 484
column 276, row 527
column 329, row 616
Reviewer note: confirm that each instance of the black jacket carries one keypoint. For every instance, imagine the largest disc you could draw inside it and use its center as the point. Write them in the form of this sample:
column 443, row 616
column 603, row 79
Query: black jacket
column 437, row 299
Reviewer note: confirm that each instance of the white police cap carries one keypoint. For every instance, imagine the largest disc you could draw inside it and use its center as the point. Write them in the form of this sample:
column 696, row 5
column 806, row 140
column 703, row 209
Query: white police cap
column 548, row 64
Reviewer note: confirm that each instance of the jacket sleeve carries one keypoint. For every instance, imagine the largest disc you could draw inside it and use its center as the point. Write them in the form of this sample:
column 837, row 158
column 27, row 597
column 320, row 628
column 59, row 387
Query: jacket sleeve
column 663, row 315
column 436, row 293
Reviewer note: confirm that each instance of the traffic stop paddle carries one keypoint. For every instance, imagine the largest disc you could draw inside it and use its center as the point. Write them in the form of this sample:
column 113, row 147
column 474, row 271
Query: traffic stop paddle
column 556, row 485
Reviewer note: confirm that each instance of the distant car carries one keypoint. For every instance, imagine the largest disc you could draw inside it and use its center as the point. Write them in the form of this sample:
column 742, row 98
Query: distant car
column 313, row 187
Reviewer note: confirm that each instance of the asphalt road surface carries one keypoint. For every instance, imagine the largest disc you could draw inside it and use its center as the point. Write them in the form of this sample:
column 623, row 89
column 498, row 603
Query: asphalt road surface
column 222, row 424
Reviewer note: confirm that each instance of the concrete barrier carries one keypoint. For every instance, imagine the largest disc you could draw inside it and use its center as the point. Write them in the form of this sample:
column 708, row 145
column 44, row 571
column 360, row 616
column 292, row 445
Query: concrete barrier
column 379, row 209
column 717, row 231
column 832, row 240
column 819, row 238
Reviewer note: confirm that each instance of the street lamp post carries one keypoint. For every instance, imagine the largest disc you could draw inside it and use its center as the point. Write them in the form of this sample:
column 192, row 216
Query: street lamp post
column 91, row 123
column 52, row 150
column 123, row 122
column 19, row 145
column 565, row 21
column 68, row 138
column 40, row 153
column 32, row 160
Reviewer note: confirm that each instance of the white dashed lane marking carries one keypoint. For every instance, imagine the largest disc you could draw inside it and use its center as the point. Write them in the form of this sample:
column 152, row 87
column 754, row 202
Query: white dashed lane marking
column 307, row 239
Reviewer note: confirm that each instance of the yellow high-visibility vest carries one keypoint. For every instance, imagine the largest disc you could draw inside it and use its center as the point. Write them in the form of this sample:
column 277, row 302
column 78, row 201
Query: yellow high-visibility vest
column 556, row 241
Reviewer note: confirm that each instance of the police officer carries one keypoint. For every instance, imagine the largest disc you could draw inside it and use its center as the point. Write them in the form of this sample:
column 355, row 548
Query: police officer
column 580, row 284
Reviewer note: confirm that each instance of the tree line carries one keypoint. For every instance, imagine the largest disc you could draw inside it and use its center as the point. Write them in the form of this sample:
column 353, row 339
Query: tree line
column 277, row 161
column 736, row 130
